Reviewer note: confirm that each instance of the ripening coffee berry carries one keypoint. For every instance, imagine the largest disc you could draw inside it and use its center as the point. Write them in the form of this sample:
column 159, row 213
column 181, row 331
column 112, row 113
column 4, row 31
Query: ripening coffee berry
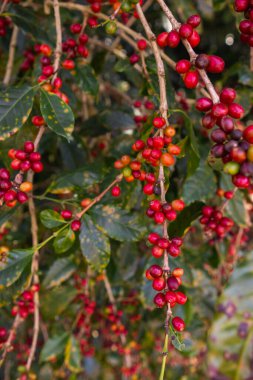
column 173, row 39
column 178, row 324
column 235, row 110
column 134, row 59
column 216, row 64
column 185, row 31
column 68, row 64
column 66, row 214
column 116, row 191
column 181, row 298
column 204, row 104
column 227, row 95
column 241, row 181
column 248, row 134
column 194, row 39
column 159, row 300
column 28, row 146
column 37, row 166
column 172, row 283
column 75, row 225
column 22, row 197
column 159, row 284
column 38, row 121
column 183, row 66
column 170, row 297
column 178, row 205
column 76, row 28
column 161, row 39
column 167, row 159
column 159, row 122
column 219, row 110
column 241, row 5
column 26, row 187
column 153, row 237
column 156, row 271
column 191, row 79
column 194, row 20
column 202, row 61
column 142, row 44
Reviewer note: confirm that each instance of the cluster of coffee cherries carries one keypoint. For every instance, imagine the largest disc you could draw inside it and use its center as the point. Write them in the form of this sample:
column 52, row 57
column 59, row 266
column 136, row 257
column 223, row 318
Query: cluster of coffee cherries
column 25, row 305
column 26, row 159
column 140, row 109
column 211, row 63
column 4, row 23
column 167, row 285
column 12, row 192
column 216, row 224
column 246, row 25
column 68, row 215
column 160, row 212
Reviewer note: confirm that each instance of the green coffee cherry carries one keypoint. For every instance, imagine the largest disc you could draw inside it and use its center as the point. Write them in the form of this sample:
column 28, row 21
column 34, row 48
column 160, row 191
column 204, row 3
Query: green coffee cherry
column 231, row 168
column 110, row 27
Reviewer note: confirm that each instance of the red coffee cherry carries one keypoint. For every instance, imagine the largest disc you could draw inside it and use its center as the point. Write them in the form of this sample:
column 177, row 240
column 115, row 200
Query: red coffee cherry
column 159, row 284
column 181, row 298
column 75, row 28
column 194, row 20
column 194, row 39
column 161, row 39
column 142, row 44
column 227, row 95
column 159, row 122
column 170, row 297
column 204, row 104
column 48, row 71
column 183, row 66
column 208, row 121
column 96, row 7
column 185, row 30
column 241, row 181
column 148, row 189
column 241, row 5
column 178, row 324
column 156, row 271
column 248, row 134
column 134, row 59
column 191, row 79
column 159, row 300
column 216, row 64
column 173, row 283
column 173, row 39
column 219, row 110
column 22, row 197
column 83, row 39
column 75, row 225
column 116, row 191
column 66, row 214
column 38, row 121
column 37, row 166
column 235, row 110
column 178, row 205
column 68, row 64
column 28, row 147
column 202, row 61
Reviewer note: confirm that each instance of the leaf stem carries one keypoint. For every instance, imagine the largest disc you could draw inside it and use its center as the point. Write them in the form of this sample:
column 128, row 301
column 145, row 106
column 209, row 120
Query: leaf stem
column 165, row 354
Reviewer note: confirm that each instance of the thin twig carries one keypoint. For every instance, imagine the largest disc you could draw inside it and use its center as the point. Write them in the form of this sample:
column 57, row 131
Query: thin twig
column 7, row 345
column 58, row 48
column 10, row 62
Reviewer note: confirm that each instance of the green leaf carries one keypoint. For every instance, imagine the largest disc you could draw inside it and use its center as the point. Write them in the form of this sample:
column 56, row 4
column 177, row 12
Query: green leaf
column 72, row 355
column 117, row 223
column 59, row 272
column 184, row 219
column 87, row 80
column 235, row 207
column 82, row 178
column 54, row 347
column 95, row 246
column 57, row 114
column 64, row 241
column 191, row 146
column 51, row 219
column 17, row 261
column 15, row 108
column 55, row 301
column 200, row 186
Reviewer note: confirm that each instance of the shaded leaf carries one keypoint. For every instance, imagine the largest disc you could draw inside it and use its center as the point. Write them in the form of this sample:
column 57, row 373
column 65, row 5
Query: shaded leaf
column 51, row 219
column 15, row 108
column 55, row 301
column 64, row 241
column 59, row 272
column 72, row 355
column 95, row 246
column 57, row 114
column 17, row 261
column 54, row 347
column 87, row 80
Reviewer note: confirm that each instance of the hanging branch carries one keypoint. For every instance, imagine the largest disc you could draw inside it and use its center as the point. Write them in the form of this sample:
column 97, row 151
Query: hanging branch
column 10, row 62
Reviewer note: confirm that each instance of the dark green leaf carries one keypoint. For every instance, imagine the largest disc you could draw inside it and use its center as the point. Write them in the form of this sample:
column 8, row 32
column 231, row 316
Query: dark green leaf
column 57, row 114
column 55, row 301
column 59, row 272
column 95, row 245
column 64, row 241
column 17, row 261
column 15, row 108
column 54, row 347
column 51, row 219
column 72, row 355
column 87, row 80
column 184, row 219
column 117, row 223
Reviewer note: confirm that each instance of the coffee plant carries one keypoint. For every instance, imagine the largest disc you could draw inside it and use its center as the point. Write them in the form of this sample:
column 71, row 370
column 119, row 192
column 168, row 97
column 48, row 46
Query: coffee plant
column 126, row 182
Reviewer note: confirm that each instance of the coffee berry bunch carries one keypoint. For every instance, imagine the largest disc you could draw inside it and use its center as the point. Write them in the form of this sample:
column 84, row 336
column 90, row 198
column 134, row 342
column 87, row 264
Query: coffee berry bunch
column 245, row 26
column 25, row 304
column 216, row 225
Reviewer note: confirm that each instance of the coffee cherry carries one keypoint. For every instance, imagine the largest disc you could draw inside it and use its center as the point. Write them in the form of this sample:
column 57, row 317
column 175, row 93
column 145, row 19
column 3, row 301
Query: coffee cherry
column 159, row 284
column 208, row 121
column 178, row 324
column 241, row 181
column 45, row 49
column 170, row 297
column 26, row 187
column 156, row 271
column 185, row 30
column 161, row 39
column 241, row 5
column 227, row 95
column 10, row 196
column 4, row 174
column 191, row 79
column 38, row 121
column 28, row 147
column 75, row 225
column 83, row 39
column 157, row 251
column 20, row 155
column 229, row 194
column 248, row 134
column 218, row 136
column 235, row 110
column 194, row 39
column 159, row 300
column 194, row 20
column 171, row 215
column 219, row 110
column 37, row 166
column 173, row 250
column 75, row 28
column 173, row 39
column 159, row 122
column 116, row 191
column 178, row 272
column 167, row 159
column 22, row 197
column 148, row 275
column 68, row 64
column 34, row 156
column 181, row 298
column 142, row 44
column 202, row 61
column 231, row 168
column 216, row 64
column 66, row 214
column 227, row 124
column 204, row 104
column 148, row 189
column 25, row 165
column 173, row 283
column 48, row 71
column 183, row 66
